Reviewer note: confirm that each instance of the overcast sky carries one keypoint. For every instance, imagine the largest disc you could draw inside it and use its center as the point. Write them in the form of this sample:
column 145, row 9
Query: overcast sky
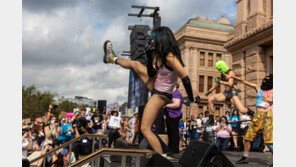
column 62, row 42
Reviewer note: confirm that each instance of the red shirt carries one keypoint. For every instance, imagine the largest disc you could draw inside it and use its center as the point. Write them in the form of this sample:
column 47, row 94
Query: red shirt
column 137, row 125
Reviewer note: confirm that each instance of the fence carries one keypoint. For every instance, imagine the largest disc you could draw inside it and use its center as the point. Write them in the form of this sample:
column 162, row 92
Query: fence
column 69, row 143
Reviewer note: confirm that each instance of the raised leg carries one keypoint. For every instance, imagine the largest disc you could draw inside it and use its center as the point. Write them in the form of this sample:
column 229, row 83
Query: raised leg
column 152, row 108
column 217, row 97
column 139, row 68
column 239, row 105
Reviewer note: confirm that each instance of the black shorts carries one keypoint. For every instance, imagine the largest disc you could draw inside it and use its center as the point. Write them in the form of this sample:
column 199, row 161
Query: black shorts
column 230, row 93
column 244, row 130
column 235, row 129
column 154, row 91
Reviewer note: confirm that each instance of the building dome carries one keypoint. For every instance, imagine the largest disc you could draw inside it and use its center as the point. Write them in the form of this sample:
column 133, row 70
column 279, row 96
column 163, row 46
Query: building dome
column 223, row 20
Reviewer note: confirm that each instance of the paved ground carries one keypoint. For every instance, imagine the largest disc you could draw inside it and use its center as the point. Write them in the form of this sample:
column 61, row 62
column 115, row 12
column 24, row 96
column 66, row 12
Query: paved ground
column 256, row 159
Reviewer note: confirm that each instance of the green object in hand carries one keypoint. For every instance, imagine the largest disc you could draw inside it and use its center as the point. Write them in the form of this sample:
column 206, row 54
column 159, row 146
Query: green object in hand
column 207, row 92
column 217, row 79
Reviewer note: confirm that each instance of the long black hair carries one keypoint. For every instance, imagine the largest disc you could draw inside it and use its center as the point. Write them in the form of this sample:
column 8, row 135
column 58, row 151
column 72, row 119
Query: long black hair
column 236, row 112
column 165, row 43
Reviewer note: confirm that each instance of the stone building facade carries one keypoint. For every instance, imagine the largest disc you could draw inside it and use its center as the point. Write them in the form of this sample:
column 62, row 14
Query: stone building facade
column 201, row 42
column 247, row 47
column 251, row 45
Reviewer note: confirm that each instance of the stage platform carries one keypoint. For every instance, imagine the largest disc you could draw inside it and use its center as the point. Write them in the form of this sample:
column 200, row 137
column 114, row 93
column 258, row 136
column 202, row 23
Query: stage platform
column 256, row 159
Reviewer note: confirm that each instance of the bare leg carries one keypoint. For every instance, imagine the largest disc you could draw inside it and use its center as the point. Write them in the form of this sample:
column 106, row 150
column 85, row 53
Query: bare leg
column 239, row 105
column 266, row 149
column 155, row 103
column 217, row 97
column 139, row 68
column 247, row 146
column 234, row 135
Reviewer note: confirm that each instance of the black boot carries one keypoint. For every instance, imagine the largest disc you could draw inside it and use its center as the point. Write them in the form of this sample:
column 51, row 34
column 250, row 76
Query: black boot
column 242, row 160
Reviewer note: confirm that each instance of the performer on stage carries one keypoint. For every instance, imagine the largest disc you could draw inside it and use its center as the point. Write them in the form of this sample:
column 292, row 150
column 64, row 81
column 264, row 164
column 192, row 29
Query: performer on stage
column 263, row 118
column 230, row 93
column 164, row 66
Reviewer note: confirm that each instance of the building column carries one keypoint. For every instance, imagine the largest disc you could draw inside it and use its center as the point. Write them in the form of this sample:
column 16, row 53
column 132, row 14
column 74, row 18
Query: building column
column 193, row 79
column 186, row 57
column 255, row 72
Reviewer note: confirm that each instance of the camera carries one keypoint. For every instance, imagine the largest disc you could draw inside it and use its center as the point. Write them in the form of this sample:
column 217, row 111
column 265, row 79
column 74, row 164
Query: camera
column 82, row 122
column 54, row 106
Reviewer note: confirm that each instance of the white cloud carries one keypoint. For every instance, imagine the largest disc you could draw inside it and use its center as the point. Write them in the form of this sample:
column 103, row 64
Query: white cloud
column 63, row 44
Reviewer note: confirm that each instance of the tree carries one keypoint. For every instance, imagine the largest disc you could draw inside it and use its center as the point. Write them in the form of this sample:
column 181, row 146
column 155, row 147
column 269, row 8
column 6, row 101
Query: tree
column 66, row 106
column 34, row 102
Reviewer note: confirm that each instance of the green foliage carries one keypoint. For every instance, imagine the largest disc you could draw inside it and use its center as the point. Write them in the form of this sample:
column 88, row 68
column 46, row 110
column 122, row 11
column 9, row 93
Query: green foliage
column 66, row 106
column 35, row 103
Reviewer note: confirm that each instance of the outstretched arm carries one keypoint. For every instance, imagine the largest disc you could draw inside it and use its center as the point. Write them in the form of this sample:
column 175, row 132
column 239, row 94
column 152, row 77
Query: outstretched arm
column 212, row 89
column 255, row 86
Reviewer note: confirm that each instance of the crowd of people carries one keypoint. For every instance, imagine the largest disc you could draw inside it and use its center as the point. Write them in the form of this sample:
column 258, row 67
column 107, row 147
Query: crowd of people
column 51, row 132
column 227, row 132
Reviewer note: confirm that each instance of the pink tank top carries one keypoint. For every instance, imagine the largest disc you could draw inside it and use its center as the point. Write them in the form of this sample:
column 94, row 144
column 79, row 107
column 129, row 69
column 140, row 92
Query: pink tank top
column 165, row 80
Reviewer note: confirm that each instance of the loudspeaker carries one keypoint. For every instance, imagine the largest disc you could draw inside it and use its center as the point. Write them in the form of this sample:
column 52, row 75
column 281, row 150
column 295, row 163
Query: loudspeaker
column 156, row 160
column 200, row 154
column 102, row 105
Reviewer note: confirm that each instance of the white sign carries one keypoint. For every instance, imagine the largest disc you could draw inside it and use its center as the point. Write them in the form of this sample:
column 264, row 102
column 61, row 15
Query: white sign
column 114, row 122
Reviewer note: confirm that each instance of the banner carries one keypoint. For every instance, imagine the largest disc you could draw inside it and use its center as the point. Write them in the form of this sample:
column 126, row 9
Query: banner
column 137, row 91
column 113, row 106
column 70, row 115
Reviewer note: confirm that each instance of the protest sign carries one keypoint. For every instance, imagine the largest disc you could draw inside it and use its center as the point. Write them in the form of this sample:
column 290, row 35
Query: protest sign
column 38, row 120
column 63, row 115
column 28, row 120
column 70, row 115
column 114, row 122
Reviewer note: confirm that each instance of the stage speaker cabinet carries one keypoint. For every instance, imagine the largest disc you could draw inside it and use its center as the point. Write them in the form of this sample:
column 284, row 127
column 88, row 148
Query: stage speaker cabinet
column 157, row 159
column 200, row 154
column 102, row 105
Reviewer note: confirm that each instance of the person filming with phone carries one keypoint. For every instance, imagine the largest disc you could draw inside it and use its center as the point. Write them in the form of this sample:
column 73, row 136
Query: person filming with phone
column 223, row 133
